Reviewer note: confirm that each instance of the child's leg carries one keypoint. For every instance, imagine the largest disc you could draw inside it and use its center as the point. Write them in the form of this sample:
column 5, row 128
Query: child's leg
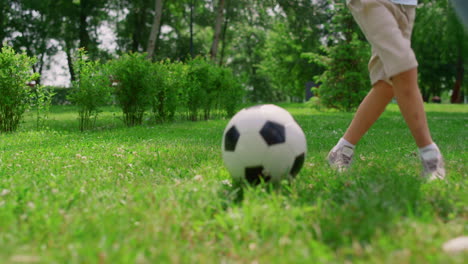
column 369, row 111
column 405, row 87
column 340, row 157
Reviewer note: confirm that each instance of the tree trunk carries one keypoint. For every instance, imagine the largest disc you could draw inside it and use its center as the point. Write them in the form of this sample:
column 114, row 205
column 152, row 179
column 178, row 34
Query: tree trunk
column 70, row 64
column 191, row 28
column 135, row 39
column 217, row 33
column 155, row 28
column 3, row 23
column 84, row 36
column 456, row 95
column 223, row 41
column 139, row 26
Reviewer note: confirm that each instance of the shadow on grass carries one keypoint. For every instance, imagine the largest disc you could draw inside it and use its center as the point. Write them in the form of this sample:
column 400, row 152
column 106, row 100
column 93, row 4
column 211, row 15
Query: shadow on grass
column 353, row 207
column 233, row 195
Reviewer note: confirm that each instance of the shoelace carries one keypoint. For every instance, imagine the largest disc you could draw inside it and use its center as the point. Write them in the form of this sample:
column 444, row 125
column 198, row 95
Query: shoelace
column 345, row 160
column 431, row 165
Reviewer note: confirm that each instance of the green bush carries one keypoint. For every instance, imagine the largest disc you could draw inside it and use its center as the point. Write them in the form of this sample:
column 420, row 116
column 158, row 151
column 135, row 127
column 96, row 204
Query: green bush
column 132, row 74
column 200, row 89
column 176, row 82
column 91, row 89
column 345, row 81
column 60, row 95
column 15, row 74
column 211, row 88
column 169, row 80
column 230, row 91
column 41, row 99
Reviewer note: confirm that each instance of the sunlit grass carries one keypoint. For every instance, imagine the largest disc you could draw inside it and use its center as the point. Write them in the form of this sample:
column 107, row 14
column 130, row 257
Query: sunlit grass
column 159, row 193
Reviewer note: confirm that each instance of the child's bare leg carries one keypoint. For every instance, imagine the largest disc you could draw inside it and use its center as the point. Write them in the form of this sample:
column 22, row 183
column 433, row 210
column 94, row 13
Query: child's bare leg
column 406, row 90
column 369, row 111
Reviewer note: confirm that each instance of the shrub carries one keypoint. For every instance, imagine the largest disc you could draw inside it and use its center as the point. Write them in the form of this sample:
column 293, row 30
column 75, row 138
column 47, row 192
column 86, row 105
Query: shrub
column 200, row 88
column 176, row 81
column 345, row 81
column 60, row 95
column 15, row 74
column 91, row 89
column 41, row 99
column 132, row 75
column 211, row 88
column 230, row 91
column 169, row 80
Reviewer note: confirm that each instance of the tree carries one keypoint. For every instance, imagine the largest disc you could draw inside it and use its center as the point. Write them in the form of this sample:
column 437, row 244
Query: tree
column 74, row 23
column 250, row 22
column 132, row 30
column 458, row 38
column 217, row 30
column 439, row 42
column 345, row 81
column 296, row 30
column 7, row 11
column 31, row 20
column 155, row 28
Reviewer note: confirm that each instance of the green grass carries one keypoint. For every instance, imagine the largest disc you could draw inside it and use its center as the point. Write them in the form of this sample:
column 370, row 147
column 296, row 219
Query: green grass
column 160, row 194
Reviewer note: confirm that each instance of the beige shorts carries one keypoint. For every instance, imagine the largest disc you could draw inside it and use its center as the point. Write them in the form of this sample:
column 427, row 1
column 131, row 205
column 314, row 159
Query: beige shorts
column 388, row 28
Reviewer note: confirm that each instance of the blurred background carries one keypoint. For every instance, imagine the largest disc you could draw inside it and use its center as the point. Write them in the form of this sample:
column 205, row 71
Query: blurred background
column 279, row 50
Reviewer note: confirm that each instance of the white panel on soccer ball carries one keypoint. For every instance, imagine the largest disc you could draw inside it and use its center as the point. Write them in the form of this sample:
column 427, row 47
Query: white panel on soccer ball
column 266, row 140
column 295, row 138
column 234, row 120
column 234, row 165
column 278, row 161
column 249, row 119
column 250, row 149
column 229, row 125
column 276, row 114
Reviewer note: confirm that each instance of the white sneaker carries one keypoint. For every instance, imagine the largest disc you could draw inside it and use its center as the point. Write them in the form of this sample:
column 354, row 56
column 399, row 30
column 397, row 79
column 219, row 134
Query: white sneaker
column 433, row 165
column 340, row 158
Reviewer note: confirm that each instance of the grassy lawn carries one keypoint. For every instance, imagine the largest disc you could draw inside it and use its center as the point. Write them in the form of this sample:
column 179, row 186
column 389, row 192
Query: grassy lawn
column 160, row 194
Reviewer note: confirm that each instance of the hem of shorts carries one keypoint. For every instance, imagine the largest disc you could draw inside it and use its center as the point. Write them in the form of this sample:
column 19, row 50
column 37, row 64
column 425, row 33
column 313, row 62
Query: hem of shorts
column 400, row 69
column 388, row 81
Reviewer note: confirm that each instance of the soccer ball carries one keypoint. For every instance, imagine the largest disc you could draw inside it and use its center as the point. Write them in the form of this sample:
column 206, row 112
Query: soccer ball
column 263, row 143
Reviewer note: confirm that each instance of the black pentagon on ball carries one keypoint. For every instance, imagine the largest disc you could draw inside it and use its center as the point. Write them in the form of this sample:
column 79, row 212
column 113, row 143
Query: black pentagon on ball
column 255, row 175
column 297, row 165
column 273, row 133
column 231, row 138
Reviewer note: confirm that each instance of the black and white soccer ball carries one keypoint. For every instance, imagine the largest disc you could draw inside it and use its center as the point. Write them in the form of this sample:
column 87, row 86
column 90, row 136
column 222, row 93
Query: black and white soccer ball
column 263, row 144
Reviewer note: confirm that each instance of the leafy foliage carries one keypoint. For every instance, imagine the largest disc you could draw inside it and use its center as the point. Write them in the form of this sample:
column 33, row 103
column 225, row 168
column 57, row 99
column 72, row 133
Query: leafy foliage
column 41, row 99
column 441, row 64
column 209, row 88
column 15, row 74
column 132, row 74
column 91, row 89
column 169, row 80
column 345, row 81
column 264, row 42
column 284, row 66
column 231, row 92
column 198, row 87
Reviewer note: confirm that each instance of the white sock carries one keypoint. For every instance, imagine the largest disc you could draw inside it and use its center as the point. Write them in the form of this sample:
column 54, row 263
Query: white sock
column 344, row 142
column 428, row 149
column 432, row 146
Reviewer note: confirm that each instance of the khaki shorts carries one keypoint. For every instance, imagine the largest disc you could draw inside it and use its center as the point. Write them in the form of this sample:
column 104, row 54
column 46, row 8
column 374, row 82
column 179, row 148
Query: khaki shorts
column 388, row 28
